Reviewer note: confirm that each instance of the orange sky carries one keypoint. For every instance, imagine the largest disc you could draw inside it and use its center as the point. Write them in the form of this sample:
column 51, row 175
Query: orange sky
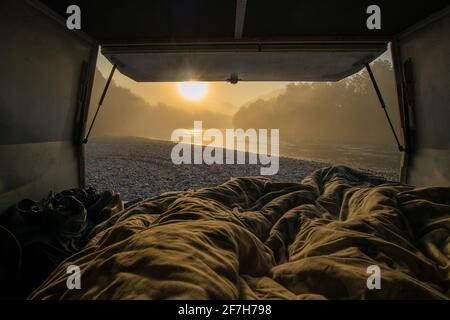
column 222, row 96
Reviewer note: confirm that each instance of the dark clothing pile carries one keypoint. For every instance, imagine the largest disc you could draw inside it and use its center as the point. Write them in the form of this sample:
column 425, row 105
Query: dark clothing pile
column 35, row 237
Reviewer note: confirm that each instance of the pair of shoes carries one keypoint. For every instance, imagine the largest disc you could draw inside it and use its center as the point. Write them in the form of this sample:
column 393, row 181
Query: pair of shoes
column 65, row 215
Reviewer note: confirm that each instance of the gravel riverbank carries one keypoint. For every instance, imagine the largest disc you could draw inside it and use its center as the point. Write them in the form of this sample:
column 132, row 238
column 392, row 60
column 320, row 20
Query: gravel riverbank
column 142, row 168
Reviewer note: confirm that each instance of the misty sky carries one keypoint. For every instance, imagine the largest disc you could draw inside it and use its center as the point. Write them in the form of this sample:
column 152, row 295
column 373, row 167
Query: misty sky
column 222, row 96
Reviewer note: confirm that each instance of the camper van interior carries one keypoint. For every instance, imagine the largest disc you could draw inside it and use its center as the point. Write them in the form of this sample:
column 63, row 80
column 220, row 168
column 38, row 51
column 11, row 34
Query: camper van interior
column 227, row 149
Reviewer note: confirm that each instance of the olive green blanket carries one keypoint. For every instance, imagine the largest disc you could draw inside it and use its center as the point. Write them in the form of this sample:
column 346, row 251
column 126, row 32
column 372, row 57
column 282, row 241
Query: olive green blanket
column 251, row 238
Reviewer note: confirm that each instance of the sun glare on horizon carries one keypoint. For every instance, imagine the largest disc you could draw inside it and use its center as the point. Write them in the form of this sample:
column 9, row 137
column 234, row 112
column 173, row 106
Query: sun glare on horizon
column 193, row 90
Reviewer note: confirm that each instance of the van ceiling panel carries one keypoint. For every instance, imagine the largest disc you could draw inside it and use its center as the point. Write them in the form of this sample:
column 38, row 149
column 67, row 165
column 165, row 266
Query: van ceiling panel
column 139, row 21
column 247, row 62
column 332, row 17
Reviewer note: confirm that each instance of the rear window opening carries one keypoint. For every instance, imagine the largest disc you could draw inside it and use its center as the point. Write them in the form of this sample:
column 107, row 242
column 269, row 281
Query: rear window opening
column 320, row 124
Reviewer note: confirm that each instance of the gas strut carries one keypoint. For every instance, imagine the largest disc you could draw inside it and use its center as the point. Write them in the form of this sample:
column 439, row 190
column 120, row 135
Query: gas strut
column 105, row 90
column 383, row 106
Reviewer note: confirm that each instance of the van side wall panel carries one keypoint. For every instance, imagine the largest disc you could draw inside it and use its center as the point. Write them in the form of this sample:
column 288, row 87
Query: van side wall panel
column 428, row 47
column 40, row 107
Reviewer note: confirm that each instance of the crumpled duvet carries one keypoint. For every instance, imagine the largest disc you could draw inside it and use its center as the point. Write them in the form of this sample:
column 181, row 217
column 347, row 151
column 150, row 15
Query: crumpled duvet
column 251, row 238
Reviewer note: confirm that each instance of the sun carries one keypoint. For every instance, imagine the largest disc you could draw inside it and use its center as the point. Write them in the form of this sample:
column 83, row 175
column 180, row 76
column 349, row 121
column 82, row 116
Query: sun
column 193, row 90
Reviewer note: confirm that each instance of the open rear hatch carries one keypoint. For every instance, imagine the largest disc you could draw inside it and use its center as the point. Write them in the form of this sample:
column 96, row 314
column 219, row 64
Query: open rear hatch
column 243, row 61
